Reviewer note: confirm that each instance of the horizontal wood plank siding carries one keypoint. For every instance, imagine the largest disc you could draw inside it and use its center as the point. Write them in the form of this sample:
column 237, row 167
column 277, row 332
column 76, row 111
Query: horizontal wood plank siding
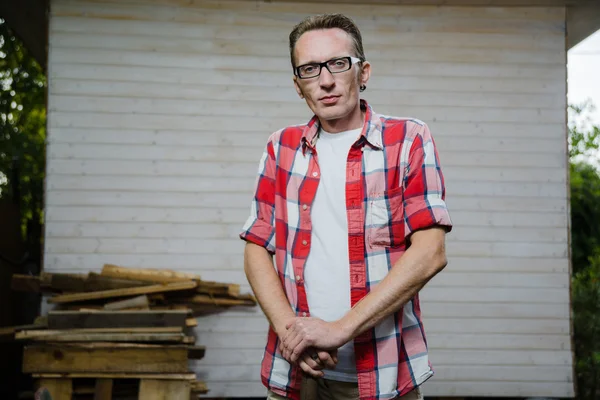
column 158, row 112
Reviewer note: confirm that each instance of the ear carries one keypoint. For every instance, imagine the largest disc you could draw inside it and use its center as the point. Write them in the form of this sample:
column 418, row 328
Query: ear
column 365, row 73
column 297, row 86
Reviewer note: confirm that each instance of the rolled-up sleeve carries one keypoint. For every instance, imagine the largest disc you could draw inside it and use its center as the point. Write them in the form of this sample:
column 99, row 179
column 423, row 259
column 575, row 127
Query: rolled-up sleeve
column 424, row 189
column 260, row 225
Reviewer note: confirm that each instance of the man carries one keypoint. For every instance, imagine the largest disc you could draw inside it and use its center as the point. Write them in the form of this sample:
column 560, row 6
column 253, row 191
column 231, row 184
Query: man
column 352, row 205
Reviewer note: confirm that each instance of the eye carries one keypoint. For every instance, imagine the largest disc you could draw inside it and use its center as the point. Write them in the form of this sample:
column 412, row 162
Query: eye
column 308, row 69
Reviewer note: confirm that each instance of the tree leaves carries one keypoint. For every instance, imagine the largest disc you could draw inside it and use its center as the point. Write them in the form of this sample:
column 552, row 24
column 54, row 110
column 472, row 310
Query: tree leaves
column 586, row 313
column 22, row 127
column 585, row 213
column 585, row 245
column 584, row 139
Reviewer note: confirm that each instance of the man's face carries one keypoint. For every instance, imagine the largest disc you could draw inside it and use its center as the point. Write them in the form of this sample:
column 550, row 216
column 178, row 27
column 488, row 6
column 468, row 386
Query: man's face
column 331, row 97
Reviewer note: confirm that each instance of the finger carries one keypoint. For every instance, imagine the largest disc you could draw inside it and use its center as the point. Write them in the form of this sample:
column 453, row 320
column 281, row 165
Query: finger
column 295, row 352
column 290, row 338
column 286, row 354
column 292, row 341
column 307, row 369
column 326, row 359
column 334, row 355
column 287, row 334
column 282, row 349
column 307, row 358
column 299, row 349
column 289, row 328
column 292, row 331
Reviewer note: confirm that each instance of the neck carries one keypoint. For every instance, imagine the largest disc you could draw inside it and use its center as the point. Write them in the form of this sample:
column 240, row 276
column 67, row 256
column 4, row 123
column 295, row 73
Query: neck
column 354, row 120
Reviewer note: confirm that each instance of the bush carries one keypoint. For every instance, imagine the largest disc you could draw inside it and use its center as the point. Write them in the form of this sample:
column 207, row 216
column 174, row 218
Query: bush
column 586, row 319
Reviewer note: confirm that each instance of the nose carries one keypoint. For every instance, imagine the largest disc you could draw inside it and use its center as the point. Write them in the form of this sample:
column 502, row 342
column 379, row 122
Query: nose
column 326, row 78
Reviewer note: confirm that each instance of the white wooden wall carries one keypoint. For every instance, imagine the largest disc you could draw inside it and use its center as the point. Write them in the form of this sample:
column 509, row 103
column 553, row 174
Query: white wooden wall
column 159, row 110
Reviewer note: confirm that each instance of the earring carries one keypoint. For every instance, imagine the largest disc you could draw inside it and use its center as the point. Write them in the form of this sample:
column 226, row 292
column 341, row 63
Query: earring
column 362, row 88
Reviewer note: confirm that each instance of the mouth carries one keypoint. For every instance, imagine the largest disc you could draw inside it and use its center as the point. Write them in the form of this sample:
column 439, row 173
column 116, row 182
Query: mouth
column 329, row 99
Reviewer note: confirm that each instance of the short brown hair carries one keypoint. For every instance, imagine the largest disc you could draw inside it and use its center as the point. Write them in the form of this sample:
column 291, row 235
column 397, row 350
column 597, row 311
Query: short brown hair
column 327, row 21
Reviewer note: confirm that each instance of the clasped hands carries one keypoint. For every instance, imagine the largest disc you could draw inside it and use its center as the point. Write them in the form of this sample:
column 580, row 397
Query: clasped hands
column 312, row 344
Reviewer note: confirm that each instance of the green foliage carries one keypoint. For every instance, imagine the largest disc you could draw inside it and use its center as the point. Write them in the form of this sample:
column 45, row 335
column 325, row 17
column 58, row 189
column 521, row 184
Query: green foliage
column 584, row 140
column 586, row 307
column 585, row 213
column 22, row 127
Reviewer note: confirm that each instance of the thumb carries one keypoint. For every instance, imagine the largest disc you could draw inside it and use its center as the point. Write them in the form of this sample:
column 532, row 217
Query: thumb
column 326, row 359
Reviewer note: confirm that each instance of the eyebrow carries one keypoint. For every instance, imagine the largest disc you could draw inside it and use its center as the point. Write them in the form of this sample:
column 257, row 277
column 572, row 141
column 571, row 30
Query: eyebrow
column 319, row 62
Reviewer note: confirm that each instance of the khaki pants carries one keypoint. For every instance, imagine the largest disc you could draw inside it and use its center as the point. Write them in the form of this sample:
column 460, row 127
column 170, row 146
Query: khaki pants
column 325, row 389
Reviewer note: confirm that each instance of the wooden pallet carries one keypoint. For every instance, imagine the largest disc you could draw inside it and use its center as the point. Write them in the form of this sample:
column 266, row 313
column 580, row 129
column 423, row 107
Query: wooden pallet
column 127, row 358
column 125, row 329
column 152, row 371
column 149, row 387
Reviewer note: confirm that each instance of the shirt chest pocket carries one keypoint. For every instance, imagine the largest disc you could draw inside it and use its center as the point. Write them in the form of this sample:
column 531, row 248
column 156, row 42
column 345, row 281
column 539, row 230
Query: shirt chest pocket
column 385, row 218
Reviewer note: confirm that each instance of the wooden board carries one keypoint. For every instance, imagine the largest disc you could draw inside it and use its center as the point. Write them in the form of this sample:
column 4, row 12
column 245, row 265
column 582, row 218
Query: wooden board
column 105, row 357
column 127, row 337
column 199, row 387
column 106, row 294
column 37, row 333
column 83, row 282
column 63, row 282
column 139, row 302
column 206, row 309
column 218, row 301
column 25, row 283
column 151, row 389
column 215, row 288
column 190, row 376
column 104, row 388
column 98, row 282
column 196, row 352
column 59, row 389
column 8, row 333
column 149, row 275
column 116, row 319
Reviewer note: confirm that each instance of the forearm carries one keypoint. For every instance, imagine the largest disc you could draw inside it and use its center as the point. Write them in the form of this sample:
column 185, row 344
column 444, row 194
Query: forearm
column 261, row 274
column 406, row 278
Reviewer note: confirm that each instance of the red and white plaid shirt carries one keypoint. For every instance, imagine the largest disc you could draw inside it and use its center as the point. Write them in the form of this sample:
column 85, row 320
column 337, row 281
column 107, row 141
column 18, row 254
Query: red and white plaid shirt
column 394, row 186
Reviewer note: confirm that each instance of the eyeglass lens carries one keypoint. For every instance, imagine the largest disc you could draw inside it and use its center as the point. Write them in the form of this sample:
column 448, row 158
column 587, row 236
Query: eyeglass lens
column 334, row 66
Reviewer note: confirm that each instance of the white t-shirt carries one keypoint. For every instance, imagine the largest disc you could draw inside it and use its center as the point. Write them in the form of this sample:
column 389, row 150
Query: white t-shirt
column 326, row 272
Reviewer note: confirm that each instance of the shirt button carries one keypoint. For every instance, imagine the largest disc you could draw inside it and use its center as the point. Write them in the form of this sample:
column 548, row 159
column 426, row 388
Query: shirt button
column 298, row 277
column 315, row 174
column 304, row 314
column 304, row 207
column 304, row 242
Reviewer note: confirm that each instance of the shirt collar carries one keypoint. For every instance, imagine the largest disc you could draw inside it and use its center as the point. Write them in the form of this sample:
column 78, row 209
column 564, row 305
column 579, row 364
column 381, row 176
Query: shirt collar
column 371, row 132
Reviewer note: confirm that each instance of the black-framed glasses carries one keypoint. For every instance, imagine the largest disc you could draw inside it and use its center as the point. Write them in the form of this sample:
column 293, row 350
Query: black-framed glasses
column 334, row 66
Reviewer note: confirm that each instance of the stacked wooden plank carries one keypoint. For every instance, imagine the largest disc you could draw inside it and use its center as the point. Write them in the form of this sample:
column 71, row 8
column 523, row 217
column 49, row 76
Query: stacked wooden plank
column 119, row 288
column 120, row 332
